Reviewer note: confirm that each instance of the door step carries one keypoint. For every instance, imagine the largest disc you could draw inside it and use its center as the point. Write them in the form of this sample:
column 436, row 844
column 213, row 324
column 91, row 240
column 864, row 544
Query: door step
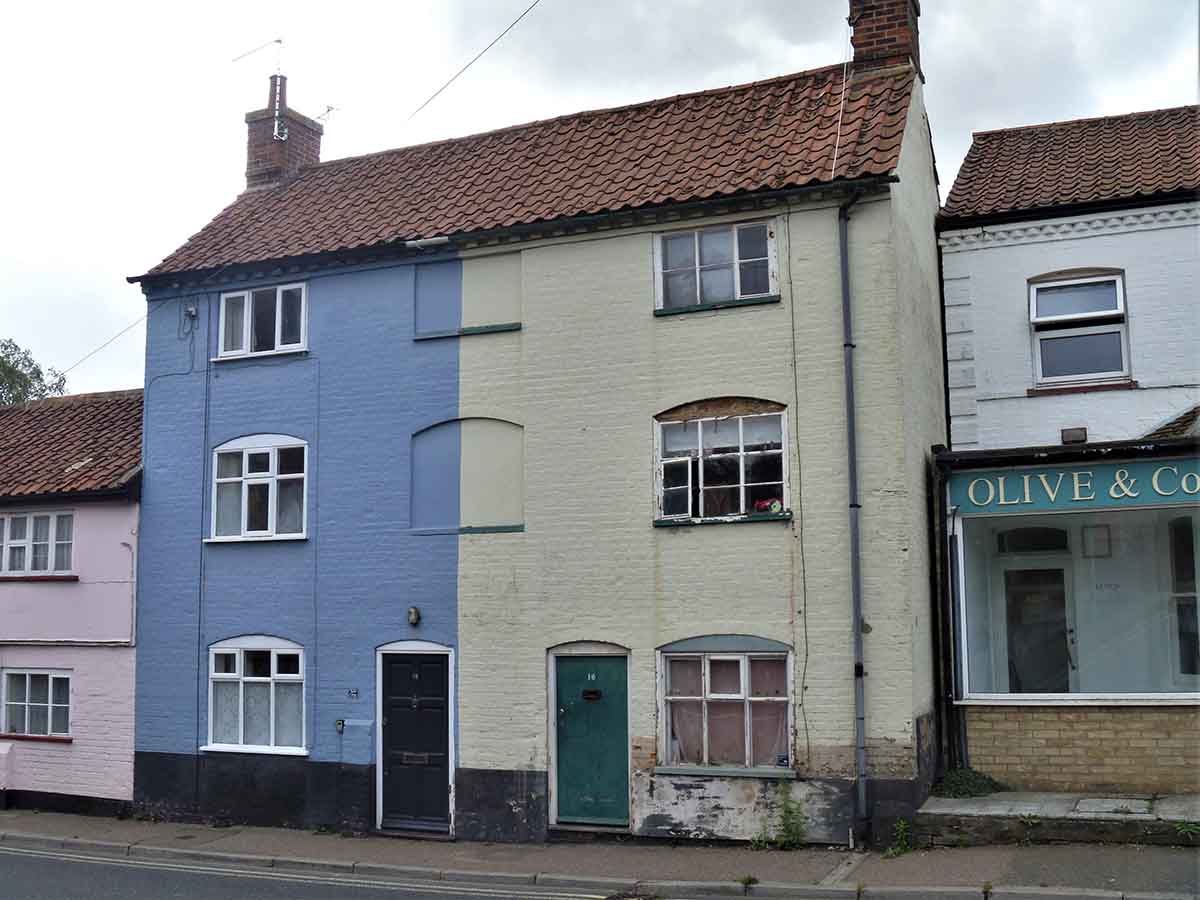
column 419, row 834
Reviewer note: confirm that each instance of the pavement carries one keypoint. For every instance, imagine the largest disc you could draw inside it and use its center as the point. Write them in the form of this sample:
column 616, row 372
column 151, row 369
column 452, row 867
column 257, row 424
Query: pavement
column 601, row 868
column 1090, row 807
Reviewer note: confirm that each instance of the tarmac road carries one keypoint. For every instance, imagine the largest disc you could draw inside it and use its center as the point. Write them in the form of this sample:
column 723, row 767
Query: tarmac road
column 50, row 875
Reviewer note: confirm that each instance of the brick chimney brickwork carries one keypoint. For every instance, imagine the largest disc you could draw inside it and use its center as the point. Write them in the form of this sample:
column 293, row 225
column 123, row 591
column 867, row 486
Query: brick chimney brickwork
column 272, row 159
column 885, row 33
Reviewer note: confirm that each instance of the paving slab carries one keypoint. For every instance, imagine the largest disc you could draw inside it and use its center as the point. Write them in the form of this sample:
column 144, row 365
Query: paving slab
column 802, row 892
column 489, row 877
column 1178, row 807
column 313, row 865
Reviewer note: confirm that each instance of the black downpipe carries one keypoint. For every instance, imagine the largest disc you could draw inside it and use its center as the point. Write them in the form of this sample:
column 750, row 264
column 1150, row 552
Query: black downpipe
column 861, row 816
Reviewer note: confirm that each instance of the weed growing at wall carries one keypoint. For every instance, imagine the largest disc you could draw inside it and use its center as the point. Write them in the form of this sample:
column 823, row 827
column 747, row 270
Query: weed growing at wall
column 966, row 783
column 900, row 840
column 793, row 825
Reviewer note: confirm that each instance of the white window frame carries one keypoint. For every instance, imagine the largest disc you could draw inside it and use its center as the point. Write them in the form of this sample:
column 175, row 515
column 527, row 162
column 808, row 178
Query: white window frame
column 965, row 696
column 706, row 696
column 1062, row 328
column 50, row 704
column 240, row 646
column 27, row 542
column 1174, row 597
column 772, row 263
column 247, row 296
column 742, row 485
column 270, row 444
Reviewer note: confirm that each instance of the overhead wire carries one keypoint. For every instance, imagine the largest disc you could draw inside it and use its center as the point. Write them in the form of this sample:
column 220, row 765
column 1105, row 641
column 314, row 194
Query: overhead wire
column 474, row 59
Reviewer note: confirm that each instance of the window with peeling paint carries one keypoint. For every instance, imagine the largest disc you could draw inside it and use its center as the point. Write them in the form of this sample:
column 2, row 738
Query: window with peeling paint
column 726, row 709
column 721, row 466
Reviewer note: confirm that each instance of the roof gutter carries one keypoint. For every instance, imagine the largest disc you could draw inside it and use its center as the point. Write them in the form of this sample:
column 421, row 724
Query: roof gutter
column 131, row 489
column 612, row 219
column 853, row 506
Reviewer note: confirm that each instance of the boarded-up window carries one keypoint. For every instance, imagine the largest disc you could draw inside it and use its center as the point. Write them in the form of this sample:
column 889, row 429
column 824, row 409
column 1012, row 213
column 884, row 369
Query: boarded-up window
column 469, row 473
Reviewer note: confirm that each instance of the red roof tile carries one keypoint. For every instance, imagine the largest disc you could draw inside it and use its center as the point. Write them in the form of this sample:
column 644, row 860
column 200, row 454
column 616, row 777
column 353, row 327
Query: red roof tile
column 768, row 135
column 1150, row 155
column 1186, row 424
column 70, row 445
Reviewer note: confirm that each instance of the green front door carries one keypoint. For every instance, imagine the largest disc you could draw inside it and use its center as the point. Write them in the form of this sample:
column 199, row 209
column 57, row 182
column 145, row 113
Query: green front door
column 593, row 740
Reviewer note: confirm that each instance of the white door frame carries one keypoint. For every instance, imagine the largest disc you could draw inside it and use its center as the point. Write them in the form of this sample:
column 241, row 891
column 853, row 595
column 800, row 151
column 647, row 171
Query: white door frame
column 413, row 647
column 584, row 648
column 1026, row 562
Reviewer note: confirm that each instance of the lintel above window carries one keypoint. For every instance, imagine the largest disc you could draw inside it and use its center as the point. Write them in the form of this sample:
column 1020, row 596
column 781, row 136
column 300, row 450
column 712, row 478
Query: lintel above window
column 727, row 463
column 721, row 265
column 263, row 321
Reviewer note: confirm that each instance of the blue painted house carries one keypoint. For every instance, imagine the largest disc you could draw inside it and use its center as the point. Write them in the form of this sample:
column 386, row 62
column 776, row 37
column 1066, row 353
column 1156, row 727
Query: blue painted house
column 427, row 430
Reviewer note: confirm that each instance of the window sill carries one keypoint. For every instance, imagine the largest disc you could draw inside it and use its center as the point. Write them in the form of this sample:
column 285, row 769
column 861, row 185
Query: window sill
column 724, row 304
column 6, row 578
column 785, row 516
column 779, row 774
column 44, row 738
column 472, row 529
column 231, row 357
column 1180, row 698
column 265, row 751
column 1050, row 390
column 255, row 540
column 468, row 330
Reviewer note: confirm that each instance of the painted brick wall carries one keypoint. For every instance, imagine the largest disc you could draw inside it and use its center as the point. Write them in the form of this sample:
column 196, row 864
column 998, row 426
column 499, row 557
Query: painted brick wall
column 1088, row 748
column 99, row 761
column 97, row 607
column 585, row 377
column 356, row 396
column 987, row 324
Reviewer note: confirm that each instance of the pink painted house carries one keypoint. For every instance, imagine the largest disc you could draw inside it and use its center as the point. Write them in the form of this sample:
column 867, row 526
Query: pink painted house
column 70, row 477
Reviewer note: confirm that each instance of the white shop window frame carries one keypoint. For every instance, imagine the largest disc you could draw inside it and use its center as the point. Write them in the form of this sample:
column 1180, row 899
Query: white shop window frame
column 772, row 226
column 50, row 704
column 692, row 515
column 967, row 697
column 664, row 699
column 27, row 542
column 239, row 646
column 247, row 321
column 1062, row 329
column 1182, row 680
column 259, row 443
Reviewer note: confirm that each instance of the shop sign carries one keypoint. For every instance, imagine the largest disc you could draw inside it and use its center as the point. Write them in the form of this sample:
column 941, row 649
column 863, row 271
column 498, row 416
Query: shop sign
column 1077, row 488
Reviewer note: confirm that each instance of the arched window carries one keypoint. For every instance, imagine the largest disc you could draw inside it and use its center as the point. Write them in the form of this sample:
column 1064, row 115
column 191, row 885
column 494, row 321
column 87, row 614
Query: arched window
column 722, row 459
column 468, row 475
column 256, row 695
column 725, row 701
column 259, row 488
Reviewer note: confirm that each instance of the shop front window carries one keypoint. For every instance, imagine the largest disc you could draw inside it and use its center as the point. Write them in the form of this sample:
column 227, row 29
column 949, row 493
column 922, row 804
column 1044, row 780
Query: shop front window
column 1098, row 603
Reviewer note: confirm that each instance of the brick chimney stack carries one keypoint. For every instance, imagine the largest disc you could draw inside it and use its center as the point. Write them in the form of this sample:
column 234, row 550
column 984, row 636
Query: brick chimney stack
column 279, row 141
column 885, row 33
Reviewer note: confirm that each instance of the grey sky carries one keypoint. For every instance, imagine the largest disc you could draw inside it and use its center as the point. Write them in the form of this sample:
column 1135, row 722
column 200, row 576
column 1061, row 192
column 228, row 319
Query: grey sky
column 123, row 129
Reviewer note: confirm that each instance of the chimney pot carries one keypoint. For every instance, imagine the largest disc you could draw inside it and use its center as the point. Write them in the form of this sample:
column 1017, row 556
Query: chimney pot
column 279, row 140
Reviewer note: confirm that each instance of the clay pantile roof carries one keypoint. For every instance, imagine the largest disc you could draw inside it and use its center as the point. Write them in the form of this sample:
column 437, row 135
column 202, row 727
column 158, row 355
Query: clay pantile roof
column 1186, row 424
column 763, row 136
column 1151, row 156
column 78, row 444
